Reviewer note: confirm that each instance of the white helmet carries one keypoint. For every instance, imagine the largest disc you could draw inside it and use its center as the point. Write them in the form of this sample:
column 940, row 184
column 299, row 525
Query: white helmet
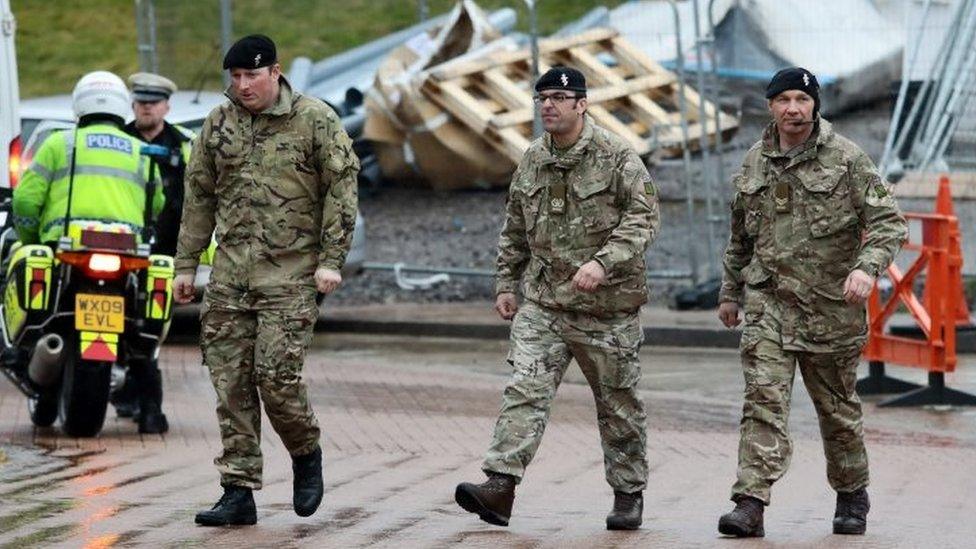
column 101, row 92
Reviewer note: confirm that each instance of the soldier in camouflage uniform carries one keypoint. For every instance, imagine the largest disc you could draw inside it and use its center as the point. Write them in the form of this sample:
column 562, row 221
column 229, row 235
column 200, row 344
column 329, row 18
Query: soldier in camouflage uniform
column 274, row 172
column 813, row 226
column 581, row 212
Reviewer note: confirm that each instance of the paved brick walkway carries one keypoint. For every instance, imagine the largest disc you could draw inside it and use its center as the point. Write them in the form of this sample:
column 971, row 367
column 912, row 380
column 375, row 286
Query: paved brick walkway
column 407, row 419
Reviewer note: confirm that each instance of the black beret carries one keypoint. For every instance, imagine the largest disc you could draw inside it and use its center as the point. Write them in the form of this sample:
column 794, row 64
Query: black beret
column 251, row 52
column 795, row 78
column 562, row 78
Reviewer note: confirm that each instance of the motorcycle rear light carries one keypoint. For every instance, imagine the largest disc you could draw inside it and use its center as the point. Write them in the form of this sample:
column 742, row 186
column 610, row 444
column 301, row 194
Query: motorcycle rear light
column 103, row 266
column 14, row 164
column 106, row 263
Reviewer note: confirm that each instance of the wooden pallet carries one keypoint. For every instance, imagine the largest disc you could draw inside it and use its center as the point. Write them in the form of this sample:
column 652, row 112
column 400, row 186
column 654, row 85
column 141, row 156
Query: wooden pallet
column 628, row 94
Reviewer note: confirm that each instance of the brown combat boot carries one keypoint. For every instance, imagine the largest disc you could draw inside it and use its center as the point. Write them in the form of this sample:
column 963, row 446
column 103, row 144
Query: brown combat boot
column 851, row 516
column 628, row 511
column 491, row 500
column 745, row 521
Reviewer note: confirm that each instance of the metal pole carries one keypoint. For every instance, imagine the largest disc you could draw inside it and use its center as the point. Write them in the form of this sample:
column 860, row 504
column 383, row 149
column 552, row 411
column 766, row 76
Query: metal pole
column 720, row 173
column 906, row 72
column 703, row 142
column 142, row 40
column 151, row 20
column 226, row 33
column 956, row 119
column 954, row 109
column 422, row 12
column 534, row 45
column 951, row 72
column 685, row 154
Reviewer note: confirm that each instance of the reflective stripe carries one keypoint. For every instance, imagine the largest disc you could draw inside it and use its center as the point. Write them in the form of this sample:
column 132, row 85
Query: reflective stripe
column 111, row 172
column 25, row 222
column 42, row 171
column 142, row 170
column 69, row 148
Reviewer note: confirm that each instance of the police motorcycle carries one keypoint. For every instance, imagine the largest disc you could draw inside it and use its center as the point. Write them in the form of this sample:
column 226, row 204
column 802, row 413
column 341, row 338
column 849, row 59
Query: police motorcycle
column 70, row 315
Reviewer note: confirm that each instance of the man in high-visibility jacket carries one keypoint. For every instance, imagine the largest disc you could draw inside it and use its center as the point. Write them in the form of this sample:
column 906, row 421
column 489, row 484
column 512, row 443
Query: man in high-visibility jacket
column 107, row 183
column 110, row 176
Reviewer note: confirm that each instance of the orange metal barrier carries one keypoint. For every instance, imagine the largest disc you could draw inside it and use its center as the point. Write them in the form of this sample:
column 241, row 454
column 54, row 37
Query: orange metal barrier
column 939, row 312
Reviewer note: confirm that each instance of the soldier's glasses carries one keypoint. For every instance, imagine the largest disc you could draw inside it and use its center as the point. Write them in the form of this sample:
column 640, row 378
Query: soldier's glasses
column 556, row 98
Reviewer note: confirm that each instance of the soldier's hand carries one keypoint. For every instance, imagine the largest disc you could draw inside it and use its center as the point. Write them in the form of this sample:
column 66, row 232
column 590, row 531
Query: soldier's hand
column 327, row 280
column 728, row 313
column 183, row 290
column 506, row 305
column 589, row 277
column 858, row 286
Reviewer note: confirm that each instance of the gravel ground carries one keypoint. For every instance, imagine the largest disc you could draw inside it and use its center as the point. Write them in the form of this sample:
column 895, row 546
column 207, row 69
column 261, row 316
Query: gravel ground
column 460, row 229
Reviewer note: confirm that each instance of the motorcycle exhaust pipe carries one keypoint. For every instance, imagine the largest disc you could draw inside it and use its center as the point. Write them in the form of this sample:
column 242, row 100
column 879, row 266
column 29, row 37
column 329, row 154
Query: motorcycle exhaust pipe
column 44, row 368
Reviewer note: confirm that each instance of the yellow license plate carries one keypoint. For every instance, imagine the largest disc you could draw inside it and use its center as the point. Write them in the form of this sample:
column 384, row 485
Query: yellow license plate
column 100, row 313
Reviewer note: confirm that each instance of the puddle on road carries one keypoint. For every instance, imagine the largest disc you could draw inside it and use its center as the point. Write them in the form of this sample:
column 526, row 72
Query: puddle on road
column 28, row 463
column 37, row 476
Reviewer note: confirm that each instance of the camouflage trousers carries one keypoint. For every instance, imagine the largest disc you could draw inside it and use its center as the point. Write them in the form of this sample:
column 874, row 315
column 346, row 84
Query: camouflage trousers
column 543, row 341
column 765, row 448
column 254, row 344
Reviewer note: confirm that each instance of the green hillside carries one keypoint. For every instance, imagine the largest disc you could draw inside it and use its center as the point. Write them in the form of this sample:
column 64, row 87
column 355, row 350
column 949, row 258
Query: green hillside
column 58, row 41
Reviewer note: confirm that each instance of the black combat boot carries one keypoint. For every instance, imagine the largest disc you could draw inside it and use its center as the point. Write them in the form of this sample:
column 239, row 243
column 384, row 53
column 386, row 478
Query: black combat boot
column 851, row 516
column 628, row 511
column 236, row 506
column 490, row 500
column 307, row 485
column 745, row 521
column 152, row 420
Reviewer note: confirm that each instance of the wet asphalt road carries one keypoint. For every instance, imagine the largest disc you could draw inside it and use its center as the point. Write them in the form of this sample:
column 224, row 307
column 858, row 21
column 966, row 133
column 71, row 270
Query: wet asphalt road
column 405, row 419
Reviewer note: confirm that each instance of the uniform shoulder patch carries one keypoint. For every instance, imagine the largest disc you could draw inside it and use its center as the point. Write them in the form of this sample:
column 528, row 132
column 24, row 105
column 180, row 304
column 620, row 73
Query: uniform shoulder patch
column 878, row 192
column 649, row 189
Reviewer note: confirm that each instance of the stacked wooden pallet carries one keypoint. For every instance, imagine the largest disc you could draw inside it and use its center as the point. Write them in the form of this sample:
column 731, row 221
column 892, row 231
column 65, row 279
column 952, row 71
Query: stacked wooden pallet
column 629, row 94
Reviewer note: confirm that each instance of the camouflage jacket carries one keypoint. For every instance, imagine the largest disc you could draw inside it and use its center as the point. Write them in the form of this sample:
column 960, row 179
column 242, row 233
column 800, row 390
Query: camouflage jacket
column 594, row 201
column 801, row 222
column 280, row 188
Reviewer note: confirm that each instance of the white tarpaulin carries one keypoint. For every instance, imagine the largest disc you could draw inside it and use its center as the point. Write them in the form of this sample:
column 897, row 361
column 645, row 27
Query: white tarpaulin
column 852, row 47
